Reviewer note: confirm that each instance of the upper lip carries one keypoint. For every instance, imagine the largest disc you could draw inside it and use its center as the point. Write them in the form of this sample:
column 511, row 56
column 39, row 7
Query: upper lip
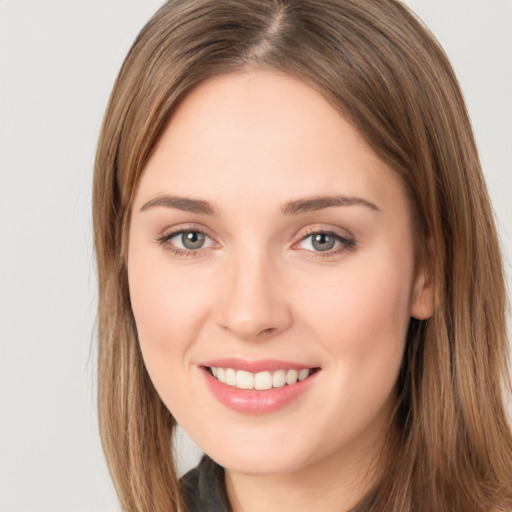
column 255, row 366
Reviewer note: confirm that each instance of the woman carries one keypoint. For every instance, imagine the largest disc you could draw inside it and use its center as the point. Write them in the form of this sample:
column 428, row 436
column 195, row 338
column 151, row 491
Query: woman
column 298, row 263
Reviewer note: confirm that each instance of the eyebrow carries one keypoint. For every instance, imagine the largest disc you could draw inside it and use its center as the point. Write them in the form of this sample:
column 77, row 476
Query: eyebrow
column 180, row 203
column 295, row 207
column 310, row 204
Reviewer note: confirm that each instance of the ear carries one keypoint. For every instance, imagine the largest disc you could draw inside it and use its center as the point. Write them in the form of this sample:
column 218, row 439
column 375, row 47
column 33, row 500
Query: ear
column 422, row 299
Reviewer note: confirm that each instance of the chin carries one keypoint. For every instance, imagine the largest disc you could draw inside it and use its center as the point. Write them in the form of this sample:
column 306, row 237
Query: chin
column 257, row 465
column 261, row 456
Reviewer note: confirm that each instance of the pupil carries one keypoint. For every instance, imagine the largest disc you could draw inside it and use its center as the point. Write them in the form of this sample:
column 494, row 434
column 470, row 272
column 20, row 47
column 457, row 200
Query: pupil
column 323, row 242
column 192, row 239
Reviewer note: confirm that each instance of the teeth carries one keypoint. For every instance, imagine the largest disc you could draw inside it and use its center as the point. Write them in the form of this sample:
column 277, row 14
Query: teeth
column 291, row 377
column 263, row 380
column 230, row 377
column 259, row 381
column 303, row 374
column 244, row 380
column 279, row 378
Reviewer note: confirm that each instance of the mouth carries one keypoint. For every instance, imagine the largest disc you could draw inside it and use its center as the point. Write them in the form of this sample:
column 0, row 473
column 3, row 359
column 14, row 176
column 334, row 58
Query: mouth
column 258, row 386
column 260, row 381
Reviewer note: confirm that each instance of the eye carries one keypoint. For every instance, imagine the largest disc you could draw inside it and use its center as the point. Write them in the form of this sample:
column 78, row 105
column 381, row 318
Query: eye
column 187, row 240
column 325, row 241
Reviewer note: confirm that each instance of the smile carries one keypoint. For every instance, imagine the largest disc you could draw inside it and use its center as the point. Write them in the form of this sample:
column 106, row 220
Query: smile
column 260, row 381
column 257, row 387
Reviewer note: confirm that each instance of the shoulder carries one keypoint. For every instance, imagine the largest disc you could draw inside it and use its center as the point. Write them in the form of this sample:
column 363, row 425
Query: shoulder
column 203, row 488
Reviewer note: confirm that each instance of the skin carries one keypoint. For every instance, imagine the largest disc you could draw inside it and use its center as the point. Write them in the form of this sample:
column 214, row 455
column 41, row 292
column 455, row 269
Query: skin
column 248, row 144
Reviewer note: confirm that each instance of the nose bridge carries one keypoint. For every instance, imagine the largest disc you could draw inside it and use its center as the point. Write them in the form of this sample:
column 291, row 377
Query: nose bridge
column 251, row 303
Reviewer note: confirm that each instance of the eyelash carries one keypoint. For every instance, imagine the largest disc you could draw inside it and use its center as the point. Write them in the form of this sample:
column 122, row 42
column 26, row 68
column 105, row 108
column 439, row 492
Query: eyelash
column 186, row 253
column 347, row 244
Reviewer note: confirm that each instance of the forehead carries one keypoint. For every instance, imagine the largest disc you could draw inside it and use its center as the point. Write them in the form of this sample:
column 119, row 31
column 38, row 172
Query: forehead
column 257, row 133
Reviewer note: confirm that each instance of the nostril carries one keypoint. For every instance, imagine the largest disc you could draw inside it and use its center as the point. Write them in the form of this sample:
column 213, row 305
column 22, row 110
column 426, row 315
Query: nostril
column 268, row 331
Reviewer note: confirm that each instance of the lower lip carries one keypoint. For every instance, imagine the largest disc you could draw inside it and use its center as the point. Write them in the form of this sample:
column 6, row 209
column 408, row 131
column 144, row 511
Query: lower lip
column 257, row 402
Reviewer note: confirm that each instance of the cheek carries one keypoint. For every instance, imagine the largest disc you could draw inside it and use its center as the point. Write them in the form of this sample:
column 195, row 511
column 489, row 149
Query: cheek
column 169, row 312
column 168, row 308
column 360, row 316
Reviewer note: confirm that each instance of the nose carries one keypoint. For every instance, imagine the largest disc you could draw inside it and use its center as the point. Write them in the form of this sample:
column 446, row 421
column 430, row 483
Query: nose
column 252, row 301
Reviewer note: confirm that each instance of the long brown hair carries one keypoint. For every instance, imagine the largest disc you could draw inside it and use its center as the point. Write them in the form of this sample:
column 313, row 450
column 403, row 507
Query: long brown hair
column 385, row 73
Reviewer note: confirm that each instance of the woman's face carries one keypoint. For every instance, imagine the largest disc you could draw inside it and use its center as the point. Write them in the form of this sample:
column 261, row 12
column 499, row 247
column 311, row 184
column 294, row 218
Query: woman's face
column 270, row 246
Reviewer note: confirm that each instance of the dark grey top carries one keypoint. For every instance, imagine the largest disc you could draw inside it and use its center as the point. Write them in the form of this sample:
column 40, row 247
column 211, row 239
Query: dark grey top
column 204, row 489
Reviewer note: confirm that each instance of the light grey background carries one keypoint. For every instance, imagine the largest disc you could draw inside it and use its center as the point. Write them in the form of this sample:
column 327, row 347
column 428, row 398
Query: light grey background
column 59, row 59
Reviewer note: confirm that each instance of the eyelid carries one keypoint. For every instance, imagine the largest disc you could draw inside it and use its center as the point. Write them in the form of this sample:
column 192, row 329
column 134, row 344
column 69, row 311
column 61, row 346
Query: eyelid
column 324, row 228
column 180, row 228
column 171, row 232
column 181, row 232
column 347, row 241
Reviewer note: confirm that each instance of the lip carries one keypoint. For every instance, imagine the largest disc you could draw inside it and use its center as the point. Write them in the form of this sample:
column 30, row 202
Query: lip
column 260, row 365
column 252, row 401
